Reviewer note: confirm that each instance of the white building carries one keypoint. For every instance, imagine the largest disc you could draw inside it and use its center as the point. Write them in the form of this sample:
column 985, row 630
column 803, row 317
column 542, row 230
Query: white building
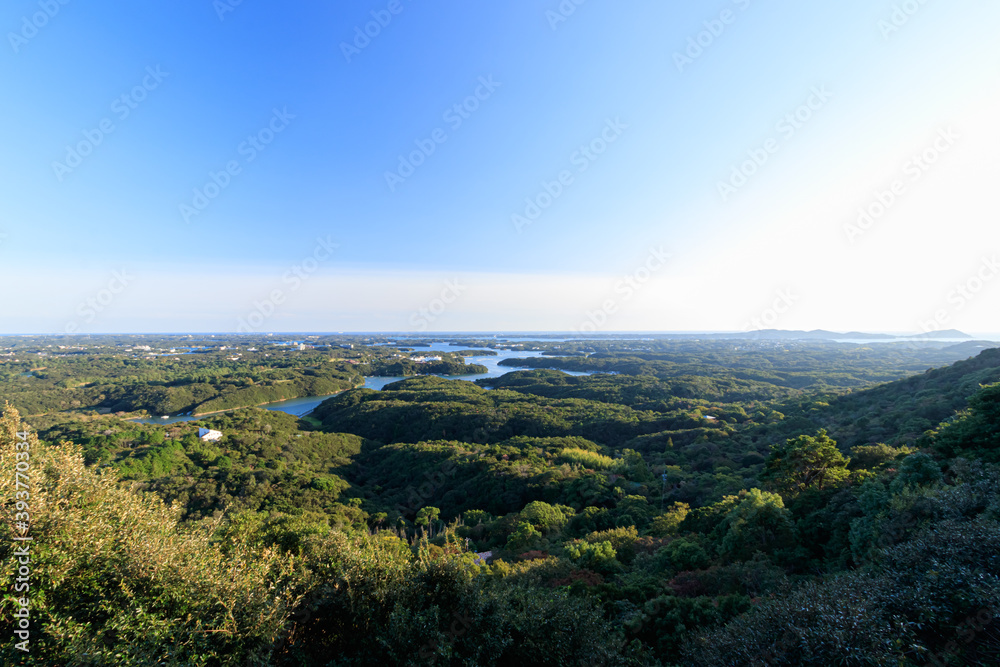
column 209, row 435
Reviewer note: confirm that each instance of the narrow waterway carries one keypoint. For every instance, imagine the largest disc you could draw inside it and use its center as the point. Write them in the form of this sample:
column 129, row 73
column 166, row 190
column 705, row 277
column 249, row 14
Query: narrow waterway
column 305, row 404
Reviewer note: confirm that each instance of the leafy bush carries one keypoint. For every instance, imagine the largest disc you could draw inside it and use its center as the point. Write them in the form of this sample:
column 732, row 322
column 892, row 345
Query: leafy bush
column 597, row 556
column 758, row 523
column 973, row 433
column 116, row 581
column 867, row 457
column 684, row 554
column 914, row 604
column 669, row 522
column 622, row 540
column 375, row 604
column 587, row 459
column 916, row 470
column 545, row 517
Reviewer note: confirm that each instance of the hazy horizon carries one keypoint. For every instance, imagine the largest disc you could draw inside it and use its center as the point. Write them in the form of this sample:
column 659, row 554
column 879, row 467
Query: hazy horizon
column 550, row 166
column 972, row 336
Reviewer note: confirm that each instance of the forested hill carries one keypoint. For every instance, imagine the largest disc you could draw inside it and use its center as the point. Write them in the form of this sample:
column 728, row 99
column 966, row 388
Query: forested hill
column 112, row 376
column 672, row 511
column 787, row 365
column 642, row 392
column 431, row 408
column 896, row 413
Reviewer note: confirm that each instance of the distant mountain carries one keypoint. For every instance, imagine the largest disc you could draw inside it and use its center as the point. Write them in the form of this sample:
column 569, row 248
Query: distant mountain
column 970, row 347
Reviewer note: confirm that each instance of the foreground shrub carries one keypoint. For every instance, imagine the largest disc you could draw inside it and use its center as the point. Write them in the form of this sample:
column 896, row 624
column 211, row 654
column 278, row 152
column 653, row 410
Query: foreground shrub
column 374, row 604
column 931, row 600
column 115, row 581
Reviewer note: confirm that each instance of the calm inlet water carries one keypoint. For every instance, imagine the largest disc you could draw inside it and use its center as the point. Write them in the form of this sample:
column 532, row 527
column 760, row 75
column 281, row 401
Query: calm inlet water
column 305, row 404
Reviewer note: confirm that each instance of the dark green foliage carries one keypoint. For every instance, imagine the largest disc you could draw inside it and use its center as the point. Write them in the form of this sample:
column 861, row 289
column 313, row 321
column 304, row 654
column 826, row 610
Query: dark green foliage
column 685, row 554
column 973, row 433
column 805, row 462
column 545, row 517
column 823, row 523
column 378, row 605
column 916, row 470
column 263, row 463
column 432, row 408
column 916, row 603
column 752, row 371
column 897, row 413
column 625, row 513
column 405, row 367
column 868, row 457
column 601, row 557
column 105, row 439
column 665, row 622
column 591, row 519
column 115, row 581
column 199, row 383
column 640, row 392
column 758, row 523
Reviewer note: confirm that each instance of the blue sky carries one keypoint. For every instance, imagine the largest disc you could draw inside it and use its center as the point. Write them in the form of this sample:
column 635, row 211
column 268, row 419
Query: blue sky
column 823, row 105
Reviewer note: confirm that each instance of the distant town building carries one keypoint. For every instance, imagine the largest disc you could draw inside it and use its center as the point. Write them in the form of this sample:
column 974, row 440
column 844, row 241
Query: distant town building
column 209, row 435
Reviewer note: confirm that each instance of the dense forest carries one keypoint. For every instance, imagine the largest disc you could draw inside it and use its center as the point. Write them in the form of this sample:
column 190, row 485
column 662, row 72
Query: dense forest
column 114, row 376
column 687, row 502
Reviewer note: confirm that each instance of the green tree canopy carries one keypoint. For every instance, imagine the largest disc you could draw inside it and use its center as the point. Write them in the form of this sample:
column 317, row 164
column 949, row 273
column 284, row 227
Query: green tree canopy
column 973, row 432
column 759, row 522
column 805, row 462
